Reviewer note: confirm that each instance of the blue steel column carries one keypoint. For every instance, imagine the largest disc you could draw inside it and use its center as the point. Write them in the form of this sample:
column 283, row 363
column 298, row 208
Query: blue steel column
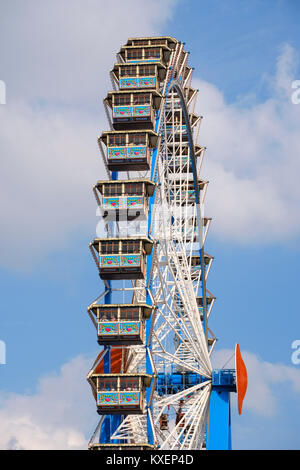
column 219, row 424
column 219, row 434
column 111, row 422
column 148, row 345
column 105, row 432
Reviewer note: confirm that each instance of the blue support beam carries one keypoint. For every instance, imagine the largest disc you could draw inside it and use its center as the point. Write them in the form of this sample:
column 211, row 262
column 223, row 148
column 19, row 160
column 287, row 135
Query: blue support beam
column 105, row 431
column 111, row 422
column 219, row 426
column 148, row 344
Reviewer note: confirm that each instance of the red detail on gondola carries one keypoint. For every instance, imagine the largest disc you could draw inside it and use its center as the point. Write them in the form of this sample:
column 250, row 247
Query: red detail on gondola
column 116, row 357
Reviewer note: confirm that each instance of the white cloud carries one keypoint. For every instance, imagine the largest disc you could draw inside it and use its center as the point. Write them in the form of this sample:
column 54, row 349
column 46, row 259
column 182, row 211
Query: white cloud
column 252, row 160
column 49, row 165
column 263, row 377
column 55, row 59
column 60, row 415
column 49, row 126
column 61, row 51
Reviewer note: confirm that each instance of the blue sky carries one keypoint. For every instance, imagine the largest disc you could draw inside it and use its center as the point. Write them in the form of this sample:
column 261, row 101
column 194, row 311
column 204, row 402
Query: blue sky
column 235, row 44
column 245, row 56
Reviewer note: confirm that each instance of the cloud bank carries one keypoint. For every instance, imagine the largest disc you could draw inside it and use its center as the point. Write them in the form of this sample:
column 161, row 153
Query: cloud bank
column 55, row 60
column 252, row 160
column 61, row 414
column 49, row 127
column 60, row 52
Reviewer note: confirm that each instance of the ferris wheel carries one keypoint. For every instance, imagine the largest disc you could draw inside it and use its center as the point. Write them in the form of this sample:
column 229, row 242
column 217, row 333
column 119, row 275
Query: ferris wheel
column 153, row 380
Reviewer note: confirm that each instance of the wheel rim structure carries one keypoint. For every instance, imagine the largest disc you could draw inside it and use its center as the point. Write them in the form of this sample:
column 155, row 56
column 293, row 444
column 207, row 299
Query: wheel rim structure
column 174, row 357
